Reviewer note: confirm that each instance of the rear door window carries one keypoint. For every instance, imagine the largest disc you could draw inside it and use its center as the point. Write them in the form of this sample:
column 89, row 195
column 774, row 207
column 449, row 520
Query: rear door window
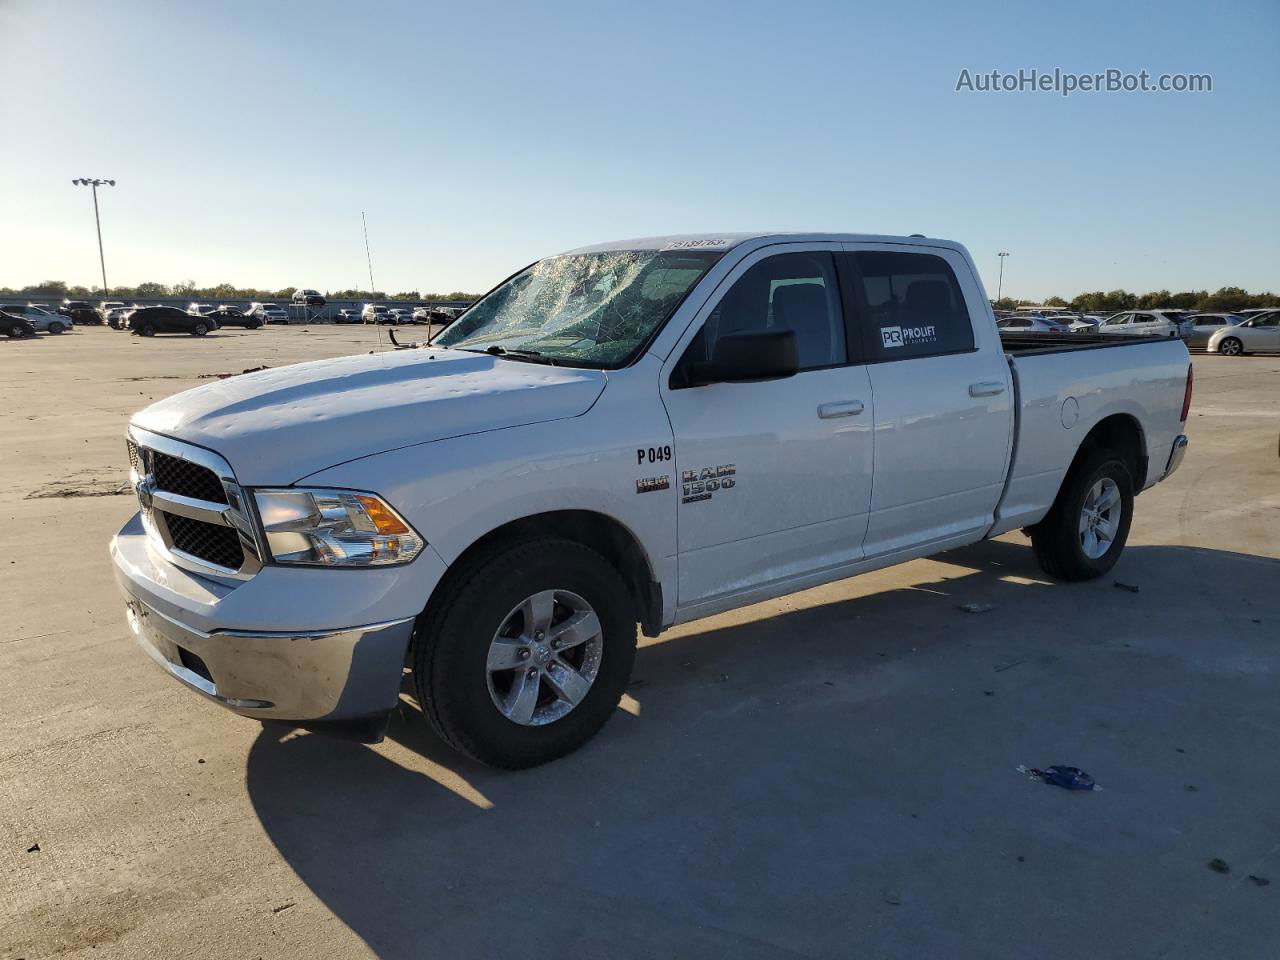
column 907, row 305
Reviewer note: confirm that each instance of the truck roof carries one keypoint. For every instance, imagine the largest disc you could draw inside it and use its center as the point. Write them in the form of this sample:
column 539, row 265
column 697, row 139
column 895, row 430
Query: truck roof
column 726, row 241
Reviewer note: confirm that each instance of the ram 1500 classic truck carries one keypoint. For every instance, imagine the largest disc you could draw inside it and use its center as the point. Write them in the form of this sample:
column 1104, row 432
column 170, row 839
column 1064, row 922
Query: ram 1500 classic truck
column 644, row 432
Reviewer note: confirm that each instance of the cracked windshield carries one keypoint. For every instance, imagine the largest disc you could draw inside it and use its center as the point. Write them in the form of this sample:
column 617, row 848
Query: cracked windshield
column 590, row 309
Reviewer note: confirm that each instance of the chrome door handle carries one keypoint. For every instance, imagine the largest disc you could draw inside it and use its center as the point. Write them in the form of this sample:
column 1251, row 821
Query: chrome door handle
column 844, row 408
column 989, row 388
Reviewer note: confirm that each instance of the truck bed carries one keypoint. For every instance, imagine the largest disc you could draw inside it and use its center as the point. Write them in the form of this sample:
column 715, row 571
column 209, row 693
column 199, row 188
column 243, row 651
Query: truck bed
column 1026, row 344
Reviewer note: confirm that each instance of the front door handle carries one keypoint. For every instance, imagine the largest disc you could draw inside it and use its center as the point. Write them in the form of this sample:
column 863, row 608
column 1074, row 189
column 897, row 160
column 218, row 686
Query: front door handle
column 988, row 388
column 843, row 408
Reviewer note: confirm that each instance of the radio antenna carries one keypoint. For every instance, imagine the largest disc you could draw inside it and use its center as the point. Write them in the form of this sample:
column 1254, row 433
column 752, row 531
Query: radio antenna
column 368, row 259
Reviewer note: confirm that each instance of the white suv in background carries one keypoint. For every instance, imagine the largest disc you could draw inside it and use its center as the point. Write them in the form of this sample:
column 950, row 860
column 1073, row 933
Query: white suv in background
column 1147, row 323
column 267, row 312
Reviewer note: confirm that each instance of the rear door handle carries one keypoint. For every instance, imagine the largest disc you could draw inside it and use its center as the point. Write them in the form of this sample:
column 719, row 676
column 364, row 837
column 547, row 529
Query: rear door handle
column 842, row 408
column 988, row 388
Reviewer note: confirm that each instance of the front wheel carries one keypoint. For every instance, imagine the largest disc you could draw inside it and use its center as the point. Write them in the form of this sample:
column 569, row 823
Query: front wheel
column 253, row 324
column 526, row 654
column 147, row 330
column 1084, row 533
column 199, row 330
column 56, row 328
column 1231, row 347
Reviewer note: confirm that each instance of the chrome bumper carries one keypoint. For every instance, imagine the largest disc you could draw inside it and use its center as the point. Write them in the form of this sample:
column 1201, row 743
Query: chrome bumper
column 328, row 675
column 1175, row 455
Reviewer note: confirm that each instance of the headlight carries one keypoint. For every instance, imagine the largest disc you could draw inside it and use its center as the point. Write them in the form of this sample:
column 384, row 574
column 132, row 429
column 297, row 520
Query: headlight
column 334, row 528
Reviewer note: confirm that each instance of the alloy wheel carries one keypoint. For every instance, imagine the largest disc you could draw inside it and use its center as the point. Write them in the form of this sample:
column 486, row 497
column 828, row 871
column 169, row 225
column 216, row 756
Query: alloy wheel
column 544, row 657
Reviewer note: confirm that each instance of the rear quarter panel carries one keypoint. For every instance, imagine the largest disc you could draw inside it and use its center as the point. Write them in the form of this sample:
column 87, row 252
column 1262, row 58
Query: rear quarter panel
column 1062, row 396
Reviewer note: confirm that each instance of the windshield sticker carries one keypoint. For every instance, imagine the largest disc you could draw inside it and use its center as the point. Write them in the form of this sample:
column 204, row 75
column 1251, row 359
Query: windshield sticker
column 907, row 336
column 711, row 244
column 699, row 485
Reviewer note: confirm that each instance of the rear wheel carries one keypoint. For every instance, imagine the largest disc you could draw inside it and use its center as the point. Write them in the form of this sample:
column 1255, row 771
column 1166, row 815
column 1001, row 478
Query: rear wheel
column 147, row 330
column 1084, row 533
column 13, row 331
column 527, row 653
column 1231, row 347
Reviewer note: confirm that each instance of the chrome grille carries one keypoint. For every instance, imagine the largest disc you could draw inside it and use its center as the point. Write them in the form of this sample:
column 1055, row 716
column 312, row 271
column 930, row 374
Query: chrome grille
column 205, row 541
column 192, row 507
column 186, row 479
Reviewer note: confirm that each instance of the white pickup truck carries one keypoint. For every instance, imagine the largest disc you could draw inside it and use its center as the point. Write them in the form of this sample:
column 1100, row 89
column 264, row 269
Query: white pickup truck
column 646, row 432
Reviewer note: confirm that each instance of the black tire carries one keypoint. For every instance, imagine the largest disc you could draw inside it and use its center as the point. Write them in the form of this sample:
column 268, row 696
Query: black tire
column 199, row 330
column 1231, row 347
column 147, row 330
column 1056, row 539
column 449, row 659
column 56, row 328
column 253, row 325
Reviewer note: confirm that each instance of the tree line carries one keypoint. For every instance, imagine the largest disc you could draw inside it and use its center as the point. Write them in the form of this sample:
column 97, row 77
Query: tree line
column 221, row 291
column 1222, row 300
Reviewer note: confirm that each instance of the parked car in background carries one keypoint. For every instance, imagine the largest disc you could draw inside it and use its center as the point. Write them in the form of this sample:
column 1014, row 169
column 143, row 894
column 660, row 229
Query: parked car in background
column 268, row 312
column 400, row 315
column 117, row 316
column 310, row 298
column 440, row 316
column 1205, row 325
column 14, row 326
column 347, row 315
column 106, row 306
column 229, row 315
column 1253, row 312
column 1029, row 323
column 207, row 310
column 1258, row 334
column 42, row 319
column 375, row 313
column 80, row 312
column 1146, row 323
column 148, row 321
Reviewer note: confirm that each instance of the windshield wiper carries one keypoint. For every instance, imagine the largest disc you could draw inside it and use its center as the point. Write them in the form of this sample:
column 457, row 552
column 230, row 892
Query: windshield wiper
column 533, row 356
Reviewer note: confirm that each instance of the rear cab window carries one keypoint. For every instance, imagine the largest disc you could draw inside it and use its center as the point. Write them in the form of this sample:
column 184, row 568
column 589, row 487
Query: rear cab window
column 906, row 305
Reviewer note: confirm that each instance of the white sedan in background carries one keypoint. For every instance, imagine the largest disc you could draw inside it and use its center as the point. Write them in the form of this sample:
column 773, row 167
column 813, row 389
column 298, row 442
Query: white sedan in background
column 1032, row 323
column 1146, row 323
column 1260, row 333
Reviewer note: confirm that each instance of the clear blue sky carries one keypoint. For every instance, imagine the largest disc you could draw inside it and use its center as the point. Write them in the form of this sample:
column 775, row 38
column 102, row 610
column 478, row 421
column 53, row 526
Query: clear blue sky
column 247, row 136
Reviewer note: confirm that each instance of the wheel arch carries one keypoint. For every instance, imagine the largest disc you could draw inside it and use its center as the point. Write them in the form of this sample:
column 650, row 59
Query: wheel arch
column 1122, row 433
column 608, row 536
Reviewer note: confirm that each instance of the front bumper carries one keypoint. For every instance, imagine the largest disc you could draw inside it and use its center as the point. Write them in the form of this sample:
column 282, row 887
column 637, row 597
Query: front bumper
column 1176, row 454
column 322, row 675
column 259, row 646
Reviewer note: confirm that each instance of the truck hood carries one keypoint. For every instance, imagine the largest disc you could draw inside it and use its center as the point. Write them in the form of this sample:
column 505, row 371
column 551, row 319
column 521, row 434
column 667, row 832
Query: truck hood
column 278, row 426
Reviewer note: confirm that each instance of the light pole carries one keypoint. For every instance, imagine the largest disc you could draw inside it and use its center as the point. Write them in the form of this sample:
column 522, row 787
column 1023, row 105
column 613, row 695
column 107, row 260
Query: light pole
column 1000, row 283
column 96, row 183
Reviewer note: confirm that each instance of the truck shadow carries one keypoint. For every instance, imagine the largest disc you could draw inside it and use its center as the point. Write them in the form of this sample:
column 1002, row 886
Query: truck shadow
column 776, row 777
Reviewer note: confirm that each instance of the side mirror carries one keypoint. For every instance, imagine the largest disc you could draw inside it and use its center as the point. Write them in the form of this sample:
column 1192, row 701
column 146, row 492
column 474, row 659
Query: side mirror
column 748, row 355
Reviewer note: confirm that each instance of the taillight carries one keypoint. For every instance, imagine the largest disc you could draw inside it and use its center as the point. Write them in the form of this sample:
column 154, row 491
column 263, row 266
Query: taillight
column 1186, row 397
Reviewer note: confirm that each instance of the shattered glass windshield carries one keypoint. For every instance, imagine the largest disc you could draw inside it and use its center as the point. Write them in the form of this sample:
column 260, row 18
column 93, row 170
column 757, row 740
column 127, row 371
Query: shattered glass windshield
column 588, row 309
